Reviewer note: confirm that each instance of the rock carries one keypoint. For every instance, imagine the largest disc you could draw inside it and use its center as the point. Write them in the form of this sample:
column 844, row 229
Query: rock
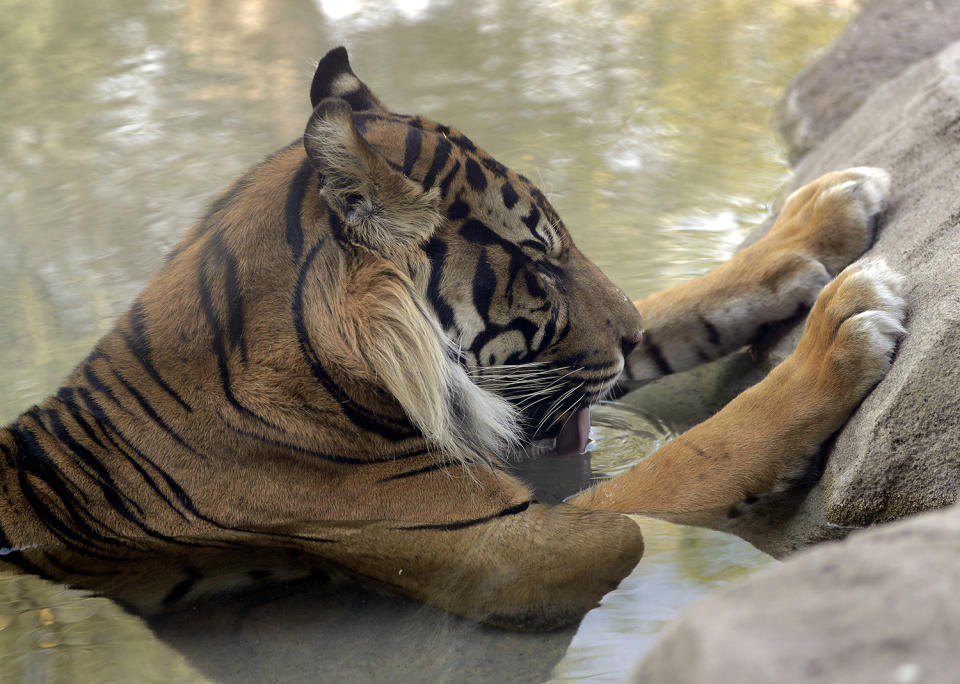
column 900, row 452
column 884, row 39
column 878, row 607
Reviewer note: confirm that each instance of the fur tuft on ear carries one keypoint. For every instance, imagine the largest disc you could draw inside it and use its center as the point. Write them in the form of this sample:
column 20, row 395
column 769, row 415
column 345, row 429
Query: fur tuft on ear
column 381, row 208
column 403, row 347
column 335, row 78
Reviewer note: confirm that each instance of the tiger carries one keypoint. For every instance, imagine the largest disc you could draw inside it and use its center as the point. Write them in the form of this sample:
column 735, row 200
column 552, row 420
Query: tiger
column 335, row 365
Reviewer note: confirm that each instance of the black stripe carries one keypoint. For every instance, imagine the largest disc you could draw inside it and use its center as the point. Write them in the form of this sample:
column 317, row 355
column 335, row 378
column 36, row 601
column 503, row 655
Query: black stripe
column 657, row 356
column 101, row 475
column 449, row 527
column 542, row 203
column 333, row 458
column 448, row 179
column 231, row 285
column 411, row 149
column 533, row 284
column 108, row 488
column 219, row 351
column 440, row 156
column 603, row 379
column 98, row 385
column 531, row 221
column 457, row 210
column 336, row 227
column 206, row 301
column 433, row 467
column 520, row 324
column 549, row 330
column 294, row 204
column 35, row 464
column 475, row 176
column 152, row 413
column 494, row 166
column 713, row 335
column 510, row 196
column 480, row 233
column 111, row 494
column 484, row 286
column 182, row 497
column 140, row 347
column 464, row 143
column 106, row 424
column 7, row 455
column 437, row 253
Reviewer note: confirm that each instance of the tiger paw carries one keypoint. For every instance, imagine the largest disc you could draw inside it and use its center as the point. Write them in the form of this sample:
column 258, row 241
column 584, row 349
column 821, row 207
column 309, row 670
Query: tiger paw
column 846, row 348
column 851, row 334
column 834, row 218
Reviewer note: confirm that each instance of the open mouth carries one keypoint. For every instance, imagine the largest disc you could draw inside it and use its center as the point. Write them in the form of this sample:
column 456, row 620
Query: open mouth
column 574, row 434
column 557, row 417
column 567, row 436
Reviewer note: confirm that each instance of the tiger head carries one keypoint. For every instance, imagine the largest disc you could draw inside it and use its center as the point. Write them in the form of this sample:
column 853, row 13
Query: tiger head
column 511, row 300
column 381, row 281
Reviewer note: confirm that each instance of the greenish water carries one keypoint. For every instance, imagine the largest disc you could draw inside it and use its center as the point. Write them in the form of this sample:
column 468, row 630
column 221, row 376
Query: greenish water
column 646, row 122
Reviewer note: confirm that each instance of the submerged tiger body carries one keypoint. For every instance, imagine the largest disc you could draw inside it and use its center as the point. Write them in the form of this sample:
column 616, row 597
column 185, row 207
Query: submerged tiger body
column 334, row 363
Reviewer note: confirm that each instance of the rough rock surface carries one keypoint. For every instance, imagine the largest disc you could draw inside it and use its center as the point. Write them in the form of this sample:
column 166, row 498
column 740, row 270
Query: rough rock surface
column 886, row 37
column 878, row 607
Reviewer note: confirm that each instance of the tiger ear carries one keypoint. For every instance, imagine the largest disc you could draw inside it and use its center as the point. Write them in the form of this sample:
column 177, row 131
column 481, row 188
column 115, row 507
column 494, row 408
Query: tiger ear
column 380, row 208
column 335, row 78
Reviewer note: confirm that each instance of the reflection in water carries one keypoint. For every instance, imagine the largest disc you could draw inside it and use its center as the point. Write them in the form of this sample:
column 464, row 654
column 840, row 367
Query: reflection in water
column 680, row 566
column 647, row 123
column 55, row 635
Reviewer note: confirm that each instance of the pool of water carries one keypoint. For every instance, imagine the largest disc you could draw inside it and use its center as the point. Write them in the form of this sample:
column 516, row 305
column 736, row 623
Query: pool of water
column 647, row 123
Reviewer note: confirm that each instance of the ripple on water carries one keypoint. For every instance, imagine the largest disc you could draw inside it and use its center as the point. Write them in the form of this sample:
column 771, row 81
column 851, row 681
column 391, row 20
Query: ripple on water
column 624, row 434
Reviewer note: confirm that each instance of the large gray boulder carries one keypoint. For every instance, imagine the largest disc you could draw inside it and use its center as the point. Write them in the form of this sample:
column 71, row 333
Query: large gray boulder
column 878, row 607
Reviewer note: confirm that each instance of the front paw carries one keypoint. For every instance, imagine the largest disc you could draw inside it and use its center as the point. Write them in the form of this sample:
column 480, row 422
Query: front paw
column 834, row 218
column 854, row 328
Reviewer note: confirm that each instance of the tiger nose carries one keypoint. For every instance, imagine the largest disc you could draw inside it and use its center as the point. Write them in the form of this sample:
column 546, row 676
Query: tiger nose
column 630, row 342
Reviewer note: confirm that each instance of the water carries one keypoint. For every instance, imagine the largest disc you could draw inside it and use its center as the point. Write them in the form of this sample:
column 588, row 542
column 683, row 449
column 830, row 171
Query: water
column 647, row 124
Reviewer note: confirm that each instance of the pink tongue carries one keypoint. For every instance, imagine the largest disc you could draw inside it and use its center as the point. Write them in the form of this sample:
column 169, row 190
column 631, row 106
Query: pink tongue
column 573, row 436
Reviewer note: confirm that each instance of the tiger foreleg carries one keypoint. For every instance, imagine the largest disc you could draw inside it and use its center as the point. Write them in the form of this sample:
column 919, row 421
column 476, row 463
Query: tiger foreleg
column 539, row 568
column 822, row 228
column 762, row 440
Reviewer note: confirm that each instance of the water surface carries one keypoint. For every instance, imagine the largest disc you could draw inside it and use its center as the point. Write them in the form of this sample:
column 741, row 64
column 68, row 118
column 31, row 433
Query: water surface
column 647, row 123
